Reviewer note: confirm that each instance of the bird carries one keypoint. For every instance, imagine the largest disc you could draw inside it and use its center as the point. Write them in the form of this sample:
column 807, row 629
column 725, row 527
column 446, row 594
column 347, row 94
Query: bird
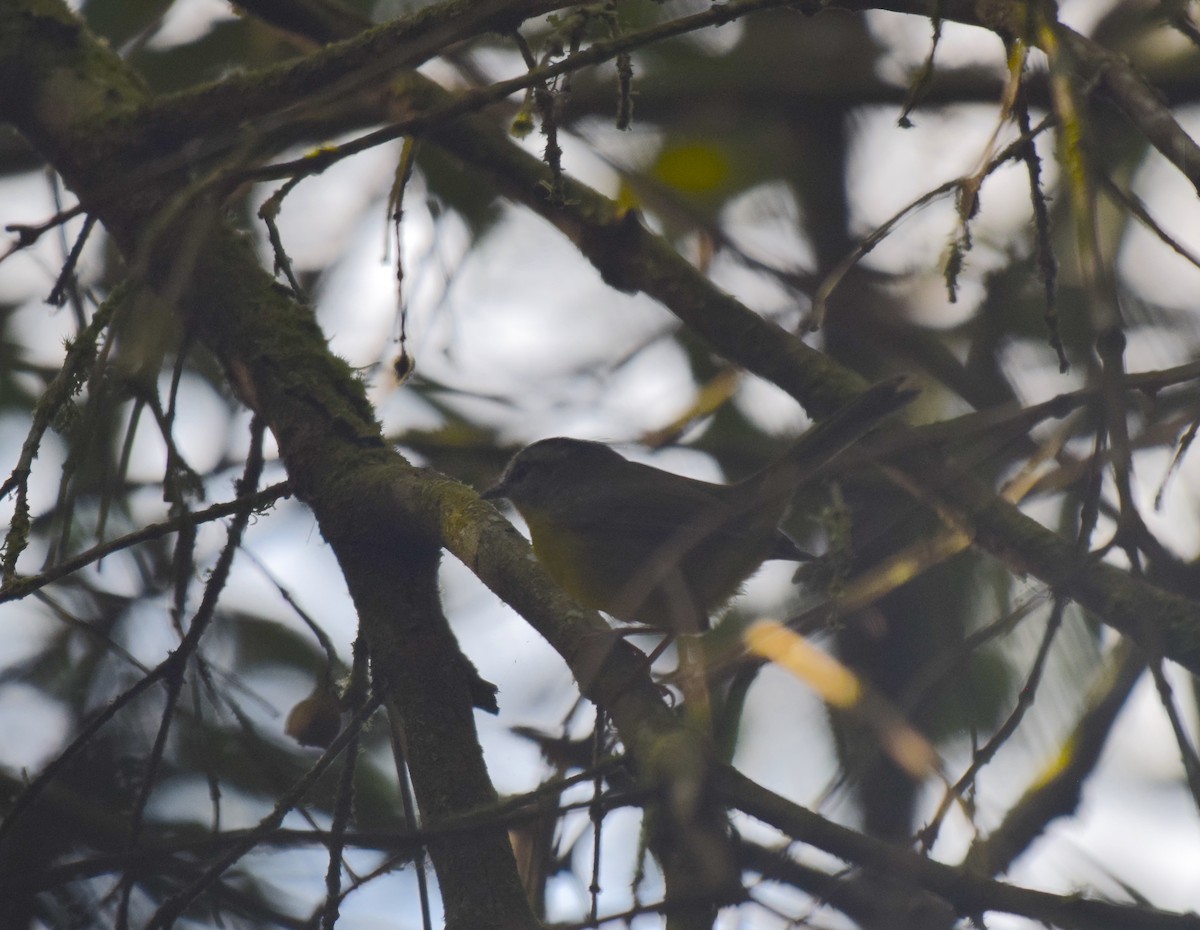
column 652, row 547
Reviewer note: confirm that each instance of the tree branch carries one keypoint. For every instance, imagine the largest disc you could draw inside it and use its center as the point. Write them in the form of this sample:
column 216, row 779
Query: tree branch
column 970, row 894
column 631, row 258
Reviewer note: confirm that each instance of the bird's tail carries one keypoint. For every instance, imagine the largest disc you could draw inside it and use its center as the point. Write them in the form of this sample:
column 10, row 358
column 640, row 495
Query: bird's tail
column 814, row 451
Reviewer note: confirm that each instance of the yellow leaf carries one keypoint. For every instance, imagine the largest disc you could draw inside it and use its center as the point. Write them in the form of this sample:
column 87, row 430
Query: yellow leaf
column 693, row 168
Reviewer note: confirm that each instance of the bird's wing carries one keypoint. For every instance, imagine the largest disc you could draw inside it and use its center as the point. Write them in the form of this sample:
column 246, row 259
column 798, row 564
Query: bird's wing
column 662, row 504
column 672, row 511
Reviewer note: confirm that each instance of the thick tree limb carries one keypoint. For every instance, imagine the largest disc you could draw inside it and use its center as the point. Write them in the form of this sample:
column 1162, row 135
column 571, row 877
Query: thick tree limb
column 970, row 894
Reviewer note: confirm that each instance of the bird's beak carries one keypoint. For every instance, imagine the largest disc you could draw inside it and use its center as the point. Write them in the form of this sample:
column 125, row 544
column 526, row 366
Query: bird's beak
column 495, row 491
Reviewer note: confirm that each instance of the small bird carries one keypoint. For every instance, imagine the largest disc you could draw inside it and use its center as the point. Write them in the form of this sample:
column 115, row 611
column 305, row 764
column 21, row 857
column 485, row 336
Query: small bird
column 649, row 546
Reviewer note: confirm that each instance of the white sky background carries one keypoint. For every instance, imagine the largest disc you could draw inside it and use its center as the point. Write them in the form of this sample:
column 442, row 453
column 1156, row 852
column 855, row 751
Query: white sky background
column 519, row 319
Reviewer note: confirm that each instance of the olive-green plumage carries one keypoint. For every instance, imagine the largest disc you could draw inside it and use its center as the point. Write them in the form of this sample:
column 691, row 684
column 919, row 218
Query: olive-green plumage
column 653, row 547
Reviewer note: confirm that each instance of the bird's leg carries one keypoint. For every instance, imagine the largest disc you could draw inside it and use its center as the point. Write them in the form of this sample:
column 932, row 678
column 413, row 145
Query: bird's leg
column 688, row 621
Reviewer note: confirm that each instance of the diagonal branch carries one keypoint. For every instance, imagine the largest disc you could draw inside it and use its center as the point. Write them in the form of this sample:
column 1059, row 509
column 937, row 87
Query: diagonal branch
column 631, row 258
column 969, row 893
